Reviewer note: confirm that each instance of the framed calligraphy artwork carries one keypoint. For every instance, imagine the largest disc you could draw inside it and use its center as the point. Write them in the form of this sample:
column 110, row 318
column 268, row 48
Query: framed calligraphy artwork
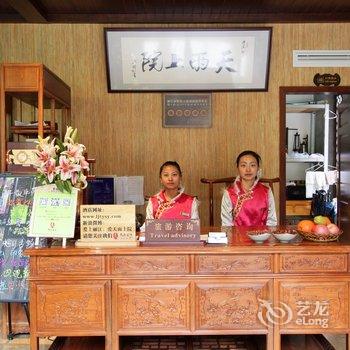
column 183, row 60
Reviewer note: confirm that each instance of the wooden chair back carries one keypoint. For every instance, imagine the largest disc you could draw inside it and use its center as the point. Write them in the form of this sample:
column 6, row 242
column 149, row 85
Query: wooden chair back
column 228, row 181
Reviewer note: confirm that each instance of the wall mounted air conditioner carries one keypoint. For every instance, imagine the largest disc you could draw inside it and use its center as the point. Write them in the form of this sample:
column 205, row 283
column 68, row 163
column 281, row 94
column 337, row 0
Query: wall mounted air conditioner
column 321, row 58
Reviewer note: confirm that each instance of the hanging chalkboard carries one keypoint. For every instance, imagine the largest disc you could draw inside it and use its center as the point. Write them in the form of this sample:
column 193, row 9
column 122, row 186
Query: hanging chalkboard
column 16, row 198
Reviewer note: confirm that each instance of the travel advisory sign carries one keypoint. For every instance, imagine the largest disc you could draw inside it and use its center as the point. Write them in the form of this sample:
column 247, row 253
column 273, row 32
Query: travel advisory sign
column 172, row 232
column 107, row 225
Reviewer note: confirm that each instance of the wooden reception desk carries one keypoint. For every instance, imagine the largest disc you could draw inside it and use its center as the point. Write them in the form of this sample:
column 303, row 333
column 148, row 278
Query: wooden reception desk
column 186, row 290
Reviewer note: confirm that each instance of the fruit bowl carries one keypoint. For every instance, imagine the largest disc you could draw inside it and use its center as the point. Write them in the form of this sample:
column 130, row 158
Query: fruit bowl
column 259, row 236
column 311, row 236
column 285, row 235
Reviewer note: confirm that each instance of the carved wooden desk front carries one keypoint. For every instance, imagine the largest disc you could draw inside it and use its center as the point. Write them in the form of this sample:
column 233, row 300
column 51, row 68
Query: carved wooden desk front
column 242, row 288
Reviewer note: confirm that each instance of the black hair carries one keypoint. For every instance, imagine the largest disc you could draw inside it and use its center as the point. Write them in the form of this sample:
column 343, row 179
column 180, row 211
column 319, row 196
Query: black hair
column 170, row 163
column 248, row 153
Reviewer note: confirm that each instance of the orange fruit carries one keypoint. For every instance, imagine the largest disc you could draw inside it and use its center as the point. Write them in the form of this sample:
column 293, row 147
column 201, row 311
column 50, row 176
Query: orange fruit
column 305, row 225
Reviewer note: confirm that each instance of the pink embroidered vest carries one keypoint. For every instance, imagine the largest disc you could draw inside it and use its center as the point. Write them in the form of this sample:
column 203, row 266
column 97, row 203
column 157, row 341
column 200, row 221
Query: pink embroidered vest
column 249, row 208
column 180, row 208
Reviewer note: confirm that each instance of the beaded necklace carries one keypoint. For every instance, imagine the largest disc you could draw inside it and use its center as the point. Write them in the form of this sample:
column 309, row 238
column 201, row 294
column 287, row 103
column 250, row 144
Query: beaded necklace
column 162, row 206
column 240, row 200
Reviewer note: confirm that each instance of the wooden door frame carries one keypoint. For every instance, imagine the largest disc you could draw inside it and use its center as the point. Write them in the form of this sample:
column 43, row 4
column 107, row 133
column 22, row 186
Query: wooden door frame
column 302, row 90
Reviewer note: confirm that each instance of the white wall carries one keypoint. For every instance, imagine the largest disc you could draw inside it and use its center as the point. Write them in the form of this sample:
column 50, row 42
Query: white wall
column 302, row 122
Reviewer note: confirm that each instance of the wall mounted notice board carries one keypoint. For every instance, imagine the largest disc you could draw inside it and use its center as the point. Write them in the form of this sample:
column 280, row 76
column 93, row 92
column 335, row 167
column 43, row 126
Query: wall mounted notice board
column 16, row 198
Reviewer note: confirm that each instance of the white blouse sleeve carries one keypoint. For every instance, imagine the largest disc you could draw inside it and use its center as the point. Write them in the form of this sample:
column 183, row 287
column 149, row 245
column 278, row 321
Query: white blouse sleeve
column 194, row 210
column 226, row 210
column 149, row 210
column 149, row 215
column 271, row 215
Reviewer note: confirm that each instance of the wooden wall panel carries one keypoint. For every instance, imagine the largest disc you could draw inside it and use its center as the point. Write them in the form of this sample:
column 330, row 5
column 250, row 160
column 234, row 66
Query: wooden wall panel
column 124, row 131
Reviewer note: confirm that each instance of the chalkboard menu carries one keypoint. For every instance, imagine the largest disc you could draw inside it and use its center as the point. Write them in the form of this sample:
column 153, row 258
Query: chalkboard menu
column 16, row 198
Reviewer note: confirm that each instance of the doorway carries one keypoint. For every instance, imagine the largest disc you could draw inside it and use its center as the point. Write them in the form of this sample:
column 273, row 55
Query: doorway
column 307, row 141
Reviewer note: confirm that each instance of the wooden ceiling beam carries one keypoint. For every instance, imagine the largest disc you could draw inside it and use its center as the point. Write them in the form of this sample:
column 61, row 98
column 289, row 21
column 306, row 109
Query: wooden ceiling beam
column 10, row 18
column 29, row 10
column 161, row 18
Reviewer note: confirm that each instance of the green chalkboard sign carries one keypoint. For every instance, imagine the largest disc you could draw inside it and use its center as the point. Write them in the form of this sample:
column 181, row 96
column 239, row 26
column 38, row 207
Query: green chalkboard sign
column 16, row 199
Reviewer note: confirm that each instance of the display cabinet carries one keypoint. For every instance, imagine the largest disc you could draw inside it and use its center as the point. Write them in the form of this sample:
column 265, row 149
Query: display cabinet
column 34, row 101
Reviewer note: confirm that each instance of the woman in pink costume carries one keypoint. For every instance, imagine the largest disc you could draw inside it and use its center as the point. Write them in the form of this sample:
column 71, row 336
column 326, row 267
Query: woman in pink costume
column 248, row 202
column 171, row 202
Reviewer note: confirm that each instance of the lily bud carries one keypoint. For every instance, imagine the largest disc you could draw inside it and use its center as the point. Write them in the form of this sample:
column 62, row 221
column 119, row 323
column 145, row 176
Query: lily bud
column 74, row 135
column 68, row 133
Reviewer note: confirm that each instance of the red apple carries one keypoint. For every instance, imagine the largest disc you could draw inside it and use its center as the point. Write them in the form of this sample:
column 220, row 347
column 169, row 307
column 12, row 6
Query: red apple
column 333, row 229
column 320, row 230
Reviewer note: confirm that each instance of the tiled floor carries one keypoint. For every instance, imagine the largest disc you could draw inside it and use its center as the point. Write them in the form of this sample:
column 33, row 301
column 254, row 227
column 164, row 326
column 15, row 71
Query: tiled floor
column 22, row 343
column 21, row 347
column 337, row 340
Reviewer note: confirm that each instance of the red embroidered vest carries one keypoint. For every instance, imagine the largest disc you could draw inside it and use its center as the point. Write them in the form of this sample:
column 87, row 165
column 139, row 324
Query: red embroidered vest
column 249, row 208
column 180, row 208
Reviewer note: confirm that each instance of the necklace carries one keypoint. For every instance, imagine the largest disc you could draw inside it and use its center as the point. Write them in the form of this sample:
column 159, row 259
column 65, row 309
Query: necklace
column 246, row 188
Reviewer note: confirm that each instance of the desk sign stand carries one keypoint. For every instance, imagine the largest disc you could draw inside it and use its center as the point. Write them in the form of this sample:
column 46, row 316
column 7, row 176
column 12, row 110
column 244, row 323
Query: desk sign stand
column 217, row 238
column 53, row 214
column 107, row 226
column 172, row 232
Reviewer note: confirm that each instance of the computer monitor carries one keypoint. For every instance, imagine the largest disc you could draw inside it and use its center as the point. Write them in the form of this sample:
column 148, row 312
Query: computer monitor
column 101, row 190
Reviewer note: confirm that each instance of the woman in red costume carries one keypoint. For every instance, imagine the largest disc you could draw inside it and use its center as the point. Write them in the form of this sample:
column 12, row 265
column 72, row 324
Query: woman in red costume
column 171, row 202
column 248, row 202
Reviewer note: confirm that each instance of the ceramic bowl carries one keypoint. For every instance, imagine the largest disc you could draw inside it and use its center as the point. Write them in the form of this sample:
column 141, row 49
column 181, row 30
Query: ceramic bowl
column 259, row 237
column 285, row 236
